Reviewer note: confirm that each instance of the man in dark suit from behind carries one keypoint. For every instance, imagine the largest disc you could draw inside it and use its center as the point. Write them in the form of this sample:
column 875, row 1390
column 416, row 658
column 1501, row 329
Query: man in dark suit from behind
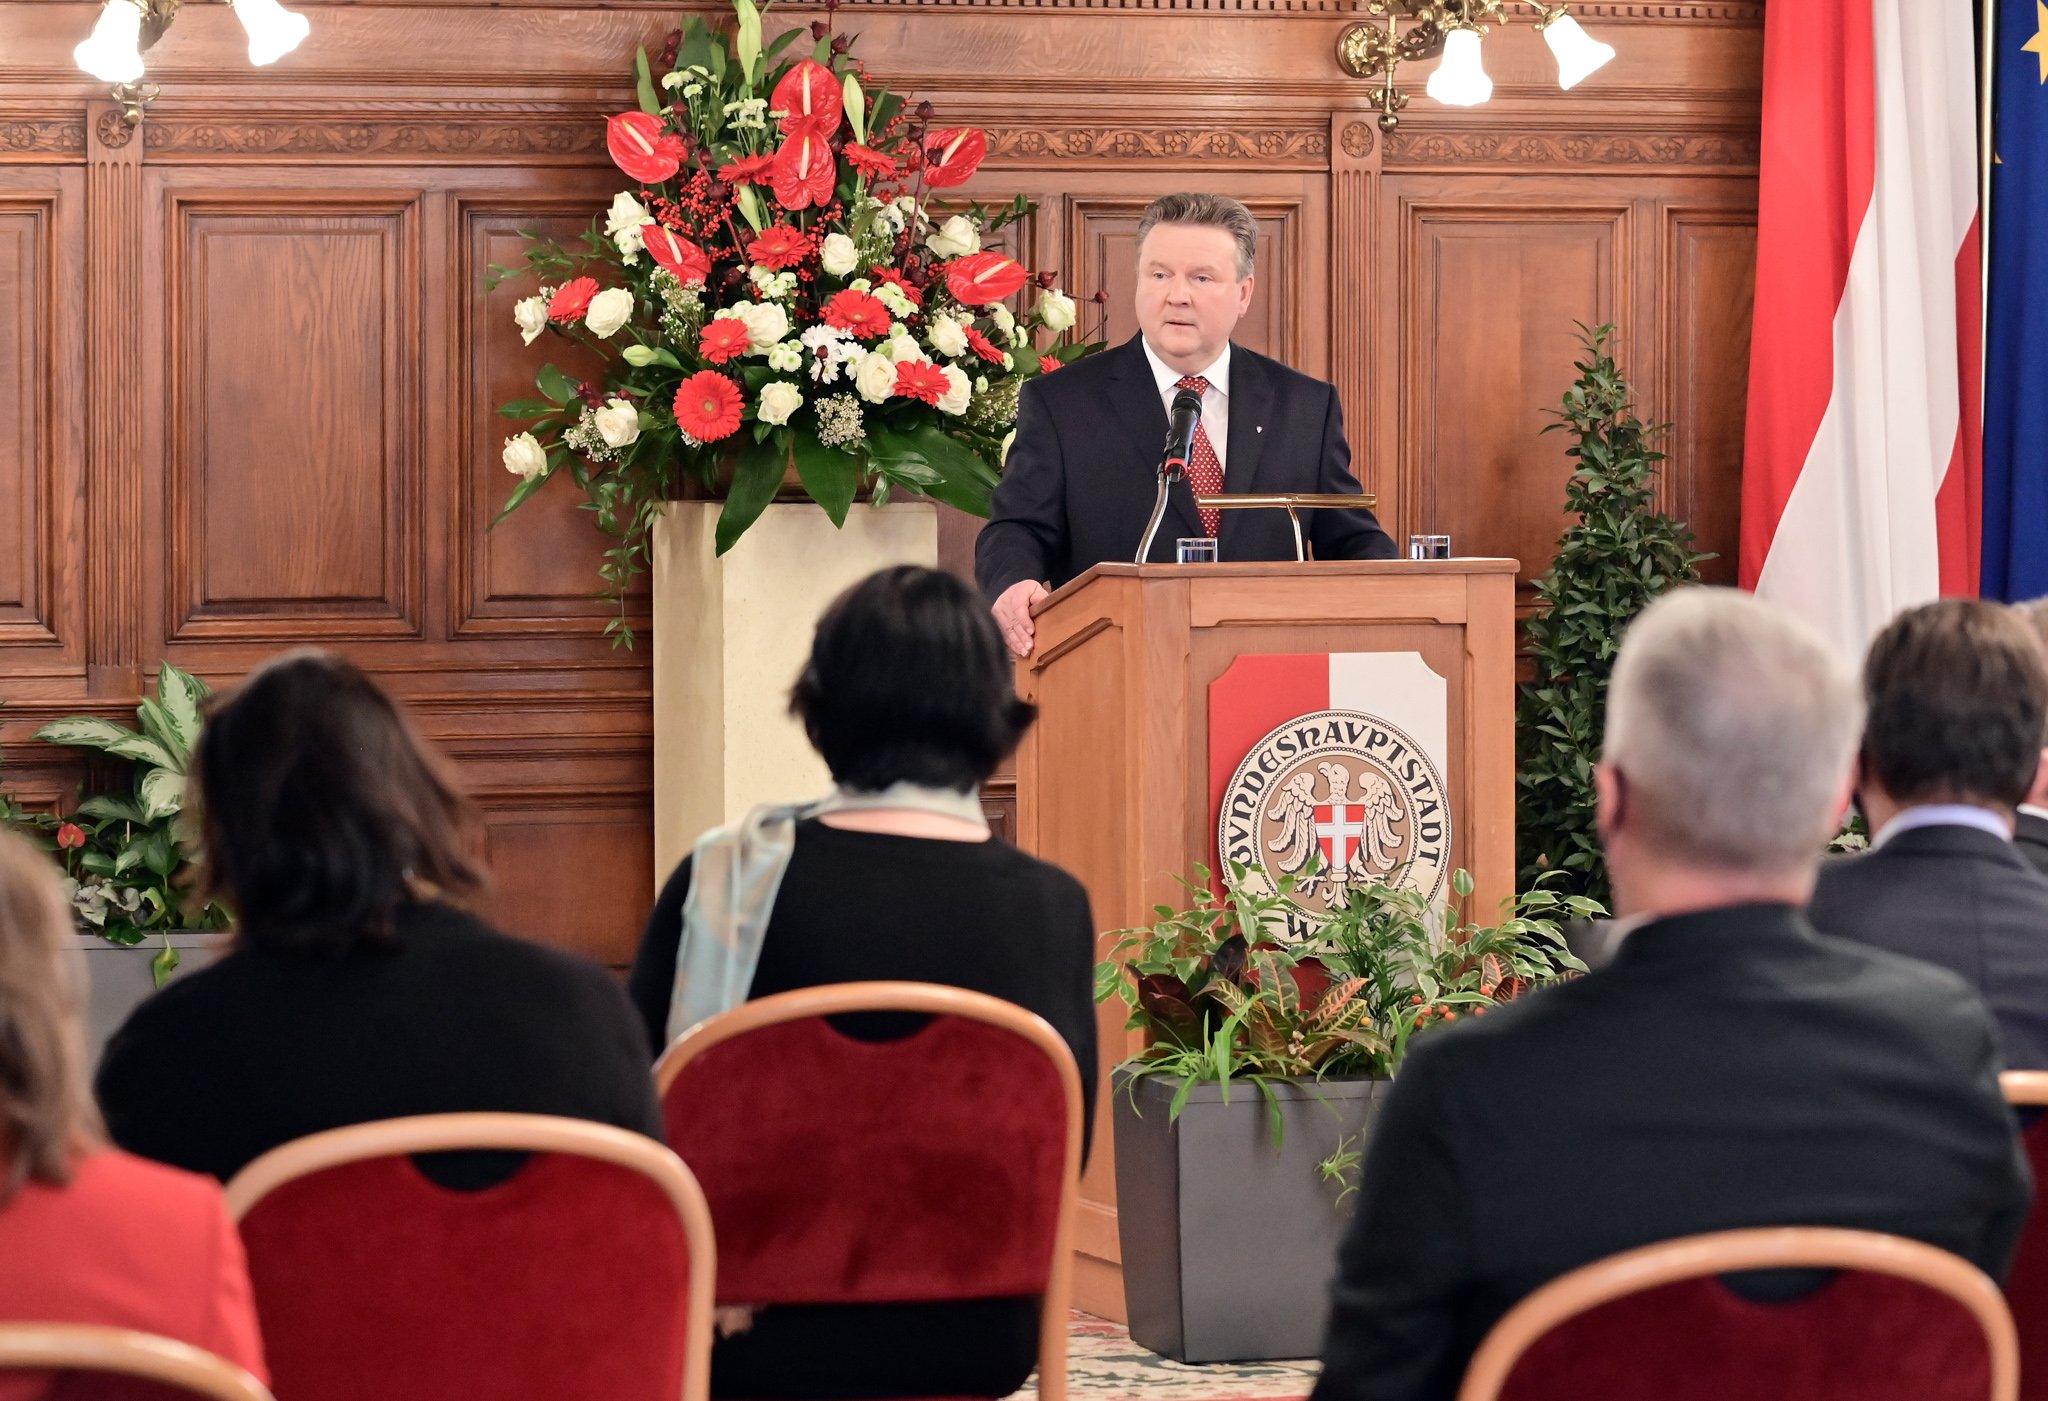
column 2030, row 822
column 1081, row 475
column 1727, row 1068
column 1956, row 694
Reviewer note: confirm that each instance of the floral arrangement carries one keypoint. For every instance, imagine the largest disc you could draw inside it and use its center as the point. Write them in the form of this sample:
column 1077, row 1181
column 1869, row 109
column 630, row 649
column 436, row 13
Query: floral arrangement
column 779, row 291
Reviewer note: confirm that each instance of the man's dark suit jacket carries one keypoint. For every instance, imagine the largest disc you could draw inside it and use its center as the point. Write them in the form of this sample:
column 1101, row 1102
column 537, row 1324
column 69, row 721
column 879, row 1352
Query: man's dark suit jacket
column 1083, row 472
column 2030, row 836
column 1960, row 898
column 1726, row 1069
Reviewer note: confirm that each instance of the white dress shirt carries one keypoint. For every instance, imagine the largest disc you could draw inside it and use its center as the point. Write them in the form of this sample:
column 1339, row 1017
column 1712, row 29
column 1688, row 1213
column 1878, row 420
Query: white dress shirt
column 1943, row 815
column 1215, row 399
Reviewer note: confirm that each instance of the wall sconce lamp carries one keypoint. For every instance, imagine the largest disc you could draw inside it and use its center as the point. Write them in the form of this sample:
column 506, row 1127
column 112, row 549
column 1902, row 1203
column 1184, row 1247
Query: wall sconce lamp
column 1452, row 29
column 126, row 29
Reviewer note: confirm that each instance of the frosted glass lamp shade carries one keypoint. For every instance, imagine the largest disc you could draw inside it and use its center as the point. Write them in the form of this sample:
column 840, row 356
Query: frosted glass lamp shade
column 274, row 31
column 111, row 52
column 1578, row 53
column 1459, row 80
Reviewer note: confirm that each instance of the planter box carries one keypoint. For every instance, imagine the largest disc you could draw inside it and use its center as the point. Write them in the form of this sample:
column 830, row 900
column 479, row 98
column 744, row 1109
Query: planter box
column 1228, row 1247
column 120, row 978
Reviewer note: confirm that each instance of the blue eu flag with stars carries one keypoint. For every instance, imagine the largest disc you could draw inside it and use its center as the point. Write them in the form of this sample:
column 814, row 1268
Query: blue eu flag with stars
column 2016, row 351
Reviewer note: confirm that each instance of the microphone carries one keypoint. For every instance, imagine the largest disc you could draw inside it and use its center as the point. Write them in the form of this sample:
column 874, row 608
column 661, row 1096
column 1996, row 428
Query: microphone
column 1181, row 421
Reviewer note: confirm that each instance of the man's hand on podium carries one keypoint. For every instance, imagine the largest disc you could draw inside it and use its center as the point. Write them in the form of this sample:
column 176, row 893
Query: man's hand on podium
column 1013, row 613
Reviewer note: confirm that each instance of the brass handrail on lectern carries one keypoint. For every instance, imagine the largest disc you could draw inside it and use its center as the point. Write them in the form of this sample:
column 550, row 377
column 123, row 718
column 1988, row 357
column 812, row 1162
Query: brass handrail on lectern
column 1290, row 502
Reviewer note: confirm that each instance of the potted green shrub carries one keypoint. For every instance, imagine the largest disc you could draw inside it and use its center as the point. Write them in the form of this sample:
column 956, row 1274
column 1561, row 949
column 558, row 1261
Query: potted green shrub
column 1240, row 1125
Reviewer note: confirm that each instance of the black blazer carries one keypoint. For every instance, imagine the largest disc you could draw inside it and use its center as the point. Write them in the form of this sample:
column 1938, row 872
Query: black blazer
column 1727, row 1069
column 1960, row 898
column 2030, row 837
column 1079, row 483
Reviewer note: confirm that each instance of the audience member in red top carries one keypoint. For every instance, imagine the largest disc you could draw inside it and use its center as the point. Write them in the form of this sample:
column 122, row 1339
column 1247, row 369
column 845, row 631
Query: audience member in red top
column 88, row 1233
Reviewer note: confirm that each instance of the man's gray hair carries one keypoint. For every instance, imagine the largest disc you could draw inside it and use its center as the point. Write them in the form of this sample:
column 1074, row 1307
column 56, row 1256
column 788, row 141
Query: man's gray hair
column 1216, row 211
column 1732, row 726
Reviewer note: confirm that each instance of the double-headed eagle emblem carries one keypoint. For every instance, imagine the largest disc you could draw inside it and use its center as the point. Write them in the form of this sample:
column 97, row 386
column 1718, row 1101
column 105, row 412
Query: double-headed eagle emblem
column 1355, row 834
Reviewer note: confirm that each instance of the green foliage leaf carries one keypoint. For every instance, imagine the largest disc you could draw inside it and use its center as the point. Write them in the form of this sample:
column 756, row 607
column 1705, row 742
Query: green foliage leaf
column 556, row 385
column 85, row 732
column 164, row 964
column 747, row 43
column 829, row 475
column 162, row 792
column 526, row 488
column 755, row 478
column 644, row 84
column 959, row 475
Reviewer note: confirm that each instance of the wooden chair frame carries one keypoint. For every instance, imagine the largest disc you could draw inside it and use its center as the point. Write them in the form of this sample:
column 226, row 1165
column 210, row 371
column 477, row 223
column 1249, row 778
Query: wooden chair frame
column 526, row 1133
column 92, row 1347
column 839, row 998
column 2024, row 1087
column 1721, row 1252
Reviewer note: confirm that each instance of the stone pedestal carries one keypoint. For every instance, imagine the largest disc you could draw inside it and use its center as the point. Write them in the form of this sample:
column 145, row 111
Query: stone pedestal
column 731, row 634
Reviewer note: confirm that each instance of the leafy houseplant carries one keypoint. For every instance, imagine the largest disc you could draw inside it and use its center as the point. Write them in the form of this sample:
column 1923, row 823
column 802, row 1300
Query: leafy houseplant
column 778, row 291
column 123, row 853
column 1618, row 554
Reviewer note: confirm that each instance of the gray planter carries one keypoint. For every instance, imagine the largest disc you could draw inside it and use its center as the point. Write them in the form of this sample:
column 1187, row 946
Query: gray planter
column 1228, row 1247
column 121, row 980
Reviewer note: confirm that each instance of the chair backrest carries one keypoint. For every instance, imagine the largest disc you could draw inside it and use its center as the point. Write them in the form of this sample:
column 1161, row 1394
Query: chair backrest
column 938, row 1165
column 1902, row 1321
column 144, row 1364
column 587, row 1274
column 2026, row 1283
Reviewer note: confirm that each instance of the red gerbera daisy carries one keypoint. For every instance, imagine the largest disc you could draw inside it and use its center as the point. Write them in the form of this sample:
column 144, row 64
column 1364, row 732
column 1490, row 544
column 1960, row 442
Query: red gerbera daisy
column 917, row 380
column 780, row 247
column 747, row 170
column 869, row 162
column 982, row 279
column 979, row 344
column 857, row 312
column 1047, row 364
column 896, row 279
column 708, row 406
column 952, row 157
column 573, row 300
column 723, row 338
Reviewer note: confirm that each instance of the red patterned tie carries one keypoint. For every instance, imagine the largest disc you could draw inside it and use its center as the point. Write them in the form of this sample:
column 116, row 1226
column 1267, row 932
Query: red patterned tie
column 1205, row 473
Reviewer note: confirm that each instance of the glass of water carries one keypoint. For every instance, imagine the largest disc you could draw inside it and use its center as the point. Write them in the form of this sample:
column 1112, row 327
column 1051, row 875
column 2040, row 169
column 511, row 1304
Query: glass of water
column 1429, row 547
column 1196, row 549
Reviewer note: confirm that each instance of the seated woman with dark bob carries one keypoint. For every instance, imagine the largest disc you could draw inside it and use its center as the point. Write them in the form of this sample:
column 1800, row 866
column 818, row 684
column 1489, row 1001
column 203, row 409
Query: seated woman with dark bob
column 357, row 987
column 908, row 696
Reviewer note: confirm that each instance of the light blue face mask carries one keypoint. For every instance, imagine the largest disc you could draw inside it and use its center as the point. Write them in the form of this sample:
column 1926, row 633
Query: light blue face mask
column 735, row 873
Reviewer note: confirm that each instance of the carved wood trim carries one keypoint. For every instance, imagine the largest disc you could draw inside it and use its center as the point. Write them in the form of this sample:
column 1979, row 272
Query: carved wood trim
column 114, row 412
column 1295, row 146
column 33, row 621
column 1738, row 11
column 465, row 136
column 25, row 137
column 1354, row 189
column 1478, row 149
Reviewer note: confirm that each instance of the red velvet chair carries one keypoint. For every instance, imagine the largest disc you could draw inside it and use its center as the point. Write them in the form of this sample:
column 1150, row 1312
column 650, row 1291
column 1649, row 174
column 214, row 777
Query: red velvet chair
column 2026, row 1284
column 94, row 1363
column 586, row 1276
column 942, row 1165
column 1902, row 1321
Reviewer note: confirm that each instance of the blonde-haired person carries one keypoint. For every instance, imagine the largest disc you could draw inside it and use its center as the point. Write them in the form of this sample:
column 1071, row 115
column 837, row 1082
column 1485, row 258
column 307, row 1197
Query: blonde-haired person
column 89, row 1234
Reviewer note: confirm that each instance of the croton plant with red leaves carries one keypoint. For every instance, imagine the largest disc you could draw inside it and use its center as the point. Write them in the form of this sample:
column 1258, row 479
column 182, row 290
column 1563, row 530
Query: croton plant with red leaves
column 778, row 287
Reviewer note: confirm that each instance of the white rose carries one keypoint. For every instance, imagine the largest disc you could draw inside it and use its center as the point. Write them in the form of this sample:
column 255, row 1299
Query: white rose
column 767, row 324
column 874, row 377
column 618, row 422
column 837, row 255
column 958, row 391
column 609, row 310
column 625, row 213
column 778, row 401
column 947, row 336
column 525, row 457
column 904, row 348
column 956, row 238
column 1056, row 310
column 532, row 316
column 786, row 357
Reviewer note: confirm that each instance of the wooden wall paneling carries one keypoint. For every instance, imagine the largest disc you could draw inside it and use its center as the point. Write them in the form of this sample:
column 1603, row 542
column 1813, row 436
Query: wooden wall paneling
column 116, row 235
column 1706, row 284
column 1355, row 280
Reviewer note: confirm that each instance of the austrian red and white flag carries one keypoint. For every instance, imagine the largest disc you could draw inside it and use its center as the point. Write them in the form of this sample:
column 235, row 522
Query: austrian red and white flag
column 1862, row 469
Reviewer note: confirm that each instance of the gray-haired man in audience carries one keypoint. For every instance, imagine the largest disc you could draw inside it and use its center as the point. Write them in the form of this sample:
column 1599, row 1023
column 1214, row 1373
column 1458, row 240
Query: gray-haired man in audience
column 1727, row 1068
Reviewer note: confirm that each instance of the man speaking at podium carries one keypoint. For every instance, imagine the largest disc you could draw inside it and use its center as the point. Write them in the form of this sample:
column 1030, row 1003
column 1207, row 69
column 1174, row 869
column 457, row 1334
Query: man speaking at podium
column 1079, row 484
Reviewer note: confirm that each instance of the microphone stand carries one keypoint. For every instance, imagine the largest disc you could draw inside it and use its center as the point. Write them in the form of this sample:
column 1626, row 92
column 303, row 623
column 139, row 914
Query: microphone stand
column 1171, row 469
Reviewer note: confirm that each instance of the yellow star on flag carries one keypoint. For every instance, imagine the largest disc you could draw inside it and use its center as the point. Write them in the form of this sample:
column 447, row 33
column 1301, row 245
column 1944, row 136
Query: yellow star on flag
column 2038, row 45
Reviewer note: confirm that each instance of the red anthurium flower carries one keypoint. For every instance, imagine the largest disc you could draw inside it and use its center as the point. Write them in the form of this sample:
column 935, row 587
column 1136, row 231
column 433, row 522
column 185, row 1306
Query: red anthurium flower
column 676, row 253
column 641, row 149
column 979, row 344
column 952, row 157
column 917, row 380
column 780, row 247
column 1046, row 364
column 983, row 279
column 748, row 170
column 708, row 406
column 573, row 300
column 723, row 338
column 804, row 171
column 70, row 835
column 856, row 312
column 869, row 162
column 896, row 279
column 811, row 96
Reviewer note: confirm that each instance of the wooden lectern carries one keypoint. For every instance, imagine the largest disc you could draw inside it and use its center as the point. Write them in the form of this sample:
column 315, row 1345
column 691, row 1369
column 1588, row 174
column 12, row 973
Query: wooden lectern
column 1113, row 781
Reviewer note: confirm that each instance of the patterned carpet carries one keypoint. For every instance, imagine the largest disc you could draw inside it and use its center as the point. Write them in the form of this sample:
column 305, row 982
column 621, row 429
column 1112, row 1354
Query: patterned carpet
column 1103, row 1362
